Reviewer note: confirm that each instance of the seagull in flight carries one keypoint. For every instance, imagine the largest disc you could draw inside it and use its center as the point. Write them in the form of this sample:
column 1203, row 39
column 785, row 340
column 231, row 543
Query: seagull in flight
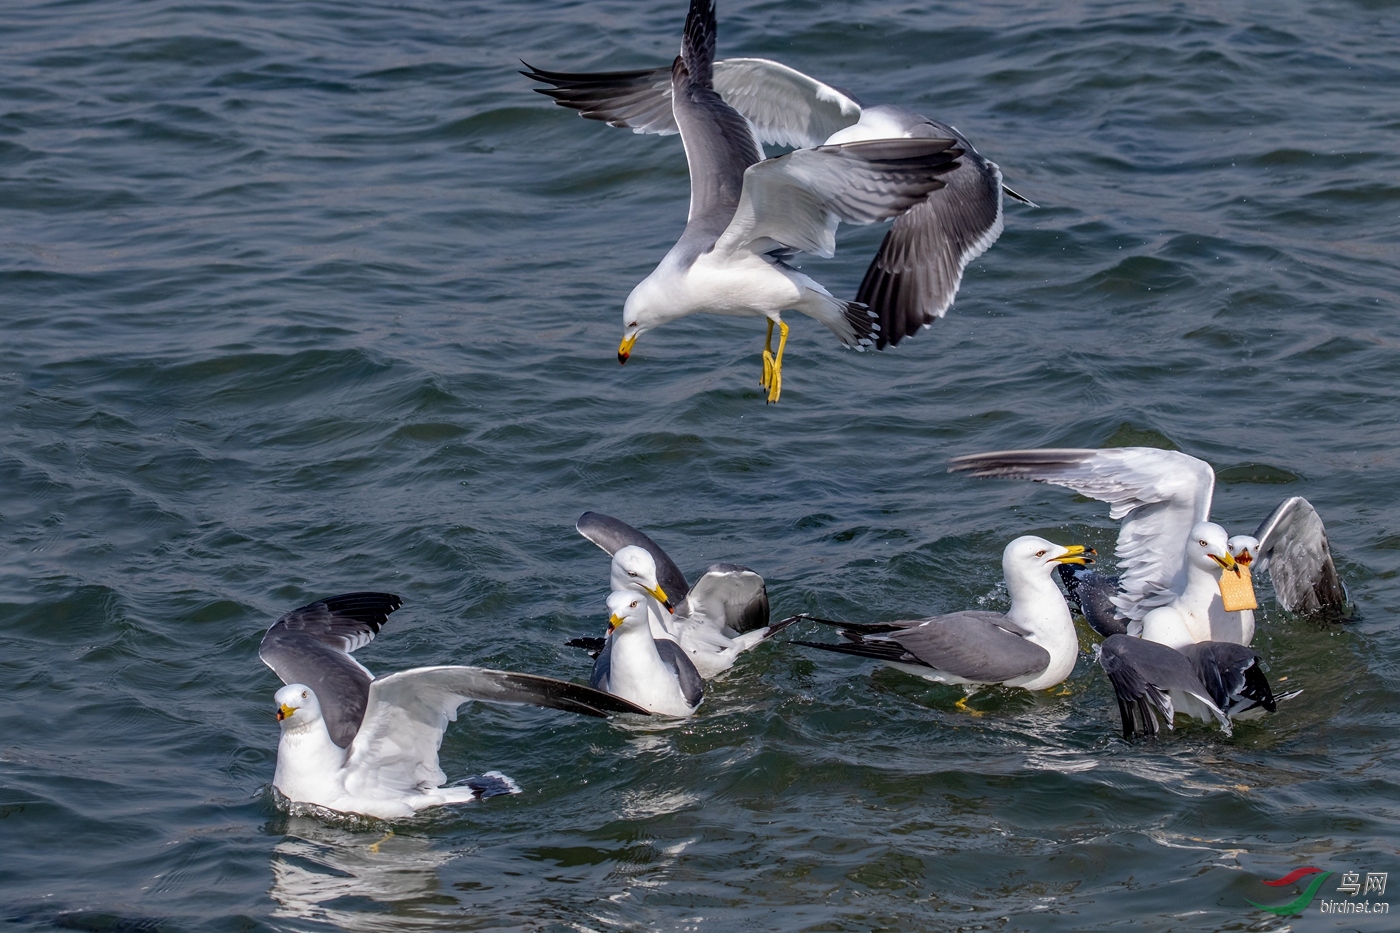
column 750, row 216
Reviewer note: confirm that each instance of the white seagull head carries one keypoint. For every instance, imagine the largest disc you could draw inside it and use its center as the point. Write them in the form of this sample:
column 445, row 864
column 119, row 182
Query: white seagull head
column 633, row 568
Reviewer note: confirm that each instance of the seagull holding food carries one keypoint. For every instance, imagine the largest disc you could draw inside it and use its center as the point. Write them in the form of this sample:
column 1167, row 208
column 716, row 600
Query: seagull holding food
column 724, row 614
column 749, row 216
column 1033, row 645
column 359, row 744
column 915, row 275
column 1184, row 583
column 1161, row 495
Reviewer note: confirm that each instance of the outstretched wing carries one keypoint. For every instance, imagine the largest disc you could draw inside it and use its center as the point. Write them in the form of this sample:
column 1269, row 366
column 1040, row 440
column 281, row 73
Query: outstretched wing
column 914, row 277
column 785, row 106
column 729, row 599
column 312, row 646
column 1293, row 548
column 796, row 200
column 1159, row 495
column 613, row 534
column 1144, row 674
column 397, row 745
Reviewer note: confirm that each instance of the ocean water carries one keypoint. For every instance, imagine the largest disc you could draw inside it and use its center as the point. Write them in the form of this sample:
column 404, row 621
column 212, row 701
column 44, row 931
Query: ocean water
column 304, row 298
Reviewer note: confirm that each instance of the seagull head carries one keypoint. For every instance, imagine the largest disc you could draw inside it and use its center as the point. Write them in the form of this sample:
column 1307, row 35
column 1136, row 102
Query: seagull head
column 1029, row 553
column 297, row 706
column 1243, row 548
column 651, row 304
column 1209, row 548
column 625, row 607
column 634, row 569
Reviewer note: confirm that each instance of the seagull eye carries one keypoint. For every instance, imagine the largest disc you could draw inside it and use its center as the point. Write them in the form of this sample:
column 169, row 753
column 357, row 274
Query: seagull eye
column 1202, row 543
column 632, row 574
column 634, row 605
column 1040, row 553
column 303, row 694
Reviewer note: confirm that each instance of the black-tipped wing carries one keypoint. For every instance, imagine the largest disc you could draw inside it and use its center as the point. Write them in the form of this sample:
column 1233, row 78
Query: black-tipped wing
column 729, row 598
column 612, row 535
column 1143, row 674
column 796, row 200
column 1293, row 549
column 915, row 275
column 975, row 646
column 674, row 657
column 312, row 646
column 1233, row 675
column 638, row 100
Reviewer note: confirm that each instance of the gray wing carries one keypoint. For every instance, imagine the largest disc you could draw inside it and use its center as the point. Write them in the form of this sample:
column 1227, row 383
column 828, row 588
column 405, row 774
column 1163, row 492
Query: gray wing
column 1142, row 673
column 783, row 105
column 914, row 277
column 674, row 657
column 612, row 535
column 1293, row 549
column 1233, row 675
column 602, row 666
column 396, row 748
column 728, row 598
column 1158, row 494
column 976, row 646
column 719, row 143
column 796, row 200
column 638, row 100
column 312, row 646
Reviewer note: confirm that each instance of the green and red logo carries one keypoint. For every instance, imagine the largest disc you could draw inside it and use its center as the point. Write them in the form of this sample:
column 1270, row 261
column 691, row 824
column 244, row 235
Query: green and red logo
column 1298, row 904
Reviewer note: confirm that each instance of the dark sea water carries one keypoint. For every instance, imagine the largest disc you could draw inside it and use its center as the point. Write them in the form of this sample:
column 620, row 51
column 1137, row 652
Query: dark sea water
column 299, row 298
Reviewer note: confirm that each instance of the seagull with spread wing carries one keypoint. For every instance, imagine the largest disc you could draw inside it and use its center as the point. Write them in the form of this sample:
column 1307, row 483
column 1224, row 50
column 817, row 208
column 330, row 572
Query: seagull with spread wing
column 359, row 744
column 749, row 216
column 914, row 277
column 724, row 614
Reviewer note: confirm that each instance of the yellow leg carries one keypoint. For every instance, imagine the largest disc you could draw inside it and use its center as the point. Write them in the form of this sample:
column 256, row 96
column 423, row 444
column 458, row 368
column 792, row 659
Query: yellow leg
column 773, row 364
column 767, row 357
column 962, row 705
column 385, row 838
column 1064, row 691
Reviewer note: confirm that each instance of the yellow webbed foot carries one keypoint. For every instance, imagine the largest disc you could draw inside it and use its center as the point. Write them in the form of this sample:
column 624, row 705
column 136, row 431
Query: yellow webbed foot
column 962, row 705
column 767, row 379
column 385, row 838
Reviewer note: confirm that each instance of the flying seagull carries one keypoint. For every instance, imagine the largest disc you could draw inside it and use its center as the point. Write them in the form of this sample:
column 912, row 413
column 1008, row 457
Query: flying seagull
column 723, row 614
column 1161, row 495
column 359, row 744
column 749, row 216
column 1033, row 645
column 652, row 672
column 915, row 275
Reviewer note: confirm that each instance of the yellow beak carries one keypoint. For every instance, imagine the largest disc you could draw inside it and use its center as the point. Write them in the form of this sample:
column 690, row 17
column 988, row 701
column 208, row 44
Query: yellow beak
column 660, row 594
column 1076, row 554
column 284, row 711
column 1228, row 562
column 624, row 349
column 614, row 621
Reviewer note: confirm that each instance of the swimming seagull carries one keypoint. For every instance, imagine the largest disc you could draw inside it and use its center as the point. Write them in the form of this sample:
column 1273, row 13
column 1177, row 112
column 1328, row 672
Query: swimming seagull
column 1032, row 646
column 1161, row 495
column 360, row 744
column 749, row 216
column 652, row 672
column 915, row 275
column 723, row 614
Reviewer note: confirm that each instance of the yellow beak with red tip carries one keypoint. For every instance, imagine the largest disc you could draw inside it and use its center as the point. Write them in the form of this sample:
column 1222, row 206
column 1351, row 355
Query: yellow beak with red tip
column 624, row 349
column 284, row 711
column 1076, row 554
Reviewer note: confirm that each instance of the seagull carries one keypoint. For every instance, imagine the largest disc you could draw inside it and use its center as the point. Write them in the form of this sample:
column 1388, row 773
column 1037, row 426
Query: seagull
column 915, row 275
column 723, row 614
column 750, row 216
column 355, row 743
column 653, row 673
column 1033, row 645
column 1161, row 495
